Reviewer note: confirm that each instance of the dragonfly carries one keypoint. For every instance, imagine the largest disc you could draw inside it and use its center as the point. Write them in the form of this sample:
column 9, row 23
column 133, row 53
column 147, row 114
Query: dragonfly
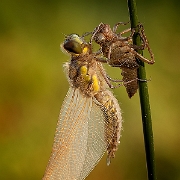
column 120, row 52
column 90, row 120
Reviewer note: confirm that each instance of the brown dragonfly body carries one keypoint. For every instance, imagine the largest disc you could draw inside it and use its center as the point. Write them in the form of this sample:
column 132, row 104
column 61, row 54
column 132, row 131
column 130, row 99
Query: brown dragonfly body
column 90, row 120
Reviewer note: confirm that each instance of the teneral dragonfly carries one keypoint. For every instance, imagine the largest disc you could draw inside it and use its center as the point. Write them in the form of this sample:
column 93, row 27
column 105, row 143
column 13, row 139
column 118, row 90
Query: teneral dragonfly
column 120, row 52
column 90, row 119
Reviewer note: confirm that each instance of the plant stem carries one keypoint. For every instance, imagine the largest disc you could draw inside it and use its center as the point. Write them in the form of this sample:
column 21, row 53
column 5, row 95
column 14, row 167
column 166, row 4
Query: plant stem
column 144, row 99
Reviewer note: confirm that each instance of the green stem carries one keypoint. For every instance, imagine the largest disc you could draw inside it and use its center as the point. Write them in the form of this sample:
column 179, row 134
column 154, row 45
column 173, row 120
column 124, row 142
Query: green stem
column 144, row 99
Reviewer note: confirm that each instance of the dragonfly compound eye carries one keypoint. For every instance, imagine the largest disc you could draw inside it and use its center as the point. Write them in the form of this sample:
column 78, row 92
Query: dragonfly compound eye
column 73, row 44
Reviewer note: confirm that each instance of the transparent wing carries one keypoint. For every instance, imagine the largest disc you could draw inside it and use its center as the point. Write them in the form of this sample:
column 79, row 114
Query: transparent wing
column 79, row 140
column 97, row 142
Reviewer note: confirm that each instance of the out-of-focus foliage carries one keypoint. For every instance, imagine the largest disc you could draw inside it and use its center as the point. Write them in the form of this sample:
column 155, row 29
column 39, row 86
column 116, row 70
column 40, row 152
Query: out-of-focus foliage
column 33, row 85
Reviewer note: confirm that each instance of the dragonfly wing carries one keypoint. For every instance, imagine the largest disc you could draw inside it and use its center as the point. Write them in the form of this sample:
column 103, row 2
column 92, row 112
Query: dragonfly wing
column 96, row 140
column 70, row 140
column 79, row 141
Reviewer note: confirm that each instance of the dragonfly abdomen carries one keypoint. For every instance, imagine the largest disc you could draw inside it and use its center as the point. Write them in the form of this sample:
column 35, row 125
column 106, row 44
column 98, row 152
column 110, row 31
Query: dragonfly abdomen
column 113, row 121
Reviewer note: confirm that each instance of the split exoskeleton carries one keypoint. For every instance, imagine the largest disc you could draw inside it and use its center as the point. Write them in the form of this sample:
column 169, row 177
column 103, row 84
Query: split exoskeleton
column 119, row 51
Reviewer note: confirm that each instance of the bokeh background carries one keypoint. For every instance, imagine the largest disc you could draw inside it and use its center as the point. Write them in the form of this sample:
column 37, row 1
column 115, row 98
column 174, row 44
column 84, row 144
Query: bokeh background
column 33, row 85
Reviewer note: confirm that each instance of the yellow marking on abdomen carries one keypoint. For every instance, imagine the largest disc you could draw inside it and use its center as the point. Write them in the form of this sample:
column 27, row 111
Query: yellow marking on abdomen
column 95, row 83
column 84, row 74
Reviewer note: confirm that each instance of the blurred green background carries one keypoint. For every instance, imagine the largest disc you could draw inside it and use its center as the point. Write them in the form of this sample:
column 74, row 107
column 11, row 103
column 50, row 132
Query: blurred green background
column 33, row 85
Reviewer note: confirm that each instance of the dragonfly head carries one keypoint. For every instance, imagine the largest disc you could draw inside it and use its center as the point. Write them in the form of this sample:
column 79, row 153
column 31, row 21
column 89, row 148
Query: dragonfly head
column 74, row 44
